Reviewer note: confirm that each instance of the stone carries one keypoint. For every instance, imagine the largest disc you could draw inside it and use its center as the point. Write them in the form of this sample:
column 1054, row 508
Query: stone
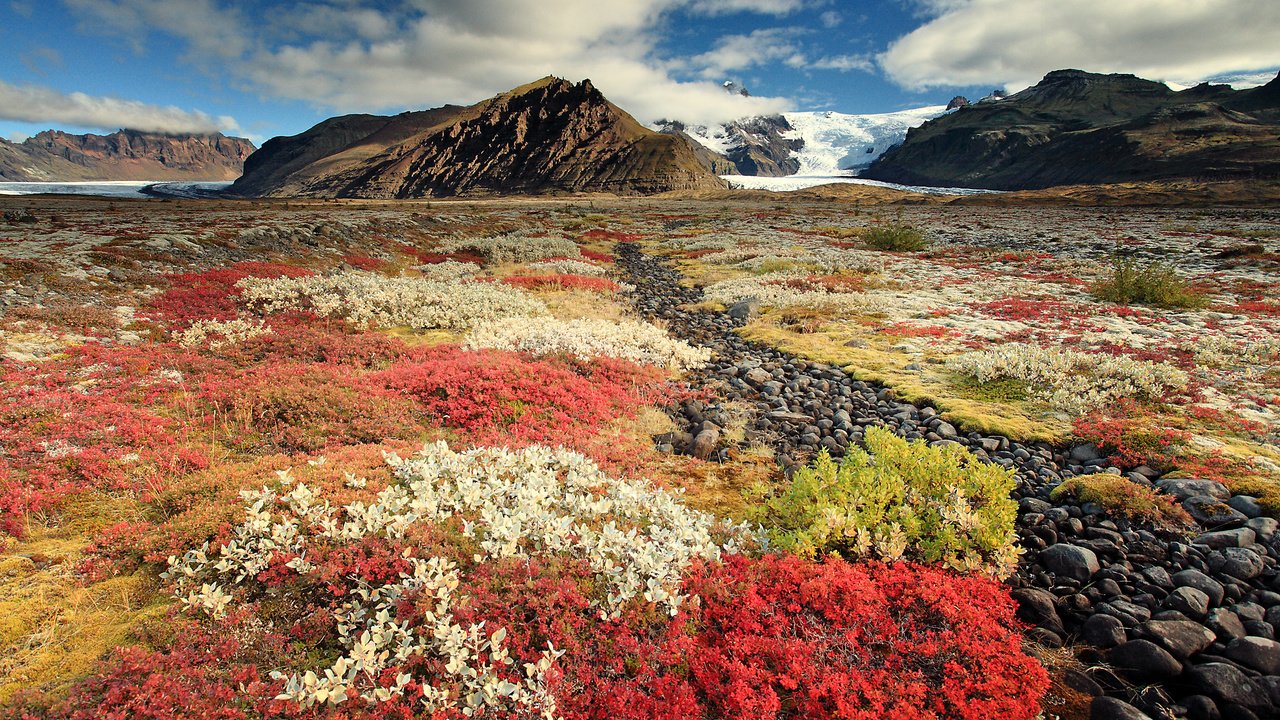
column 1264, row 527
column 1211, row 512
column 1226, row 683
column 704, row 443
column 1198, row 580
column 1109, row 708
column 1184, row 488
column 744, row 310
column 1103, row 631
column 1201, row 707
column 1189, row 601
column 1036, row 607
column 791, row 417
column 1242, row 563
column 1070, row 561
column 1247, row 505
column 758, row 376
column 1182, row 638
column 1239, row 537
column 1225, row 624
column 1258, row 653
column 1144, row 661
column 1085, row 453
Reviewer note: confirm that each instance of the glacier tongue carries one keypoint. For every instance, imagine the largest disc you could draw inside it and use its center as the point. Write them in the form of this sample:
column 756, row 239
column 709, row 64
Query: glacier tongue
column 840, row 144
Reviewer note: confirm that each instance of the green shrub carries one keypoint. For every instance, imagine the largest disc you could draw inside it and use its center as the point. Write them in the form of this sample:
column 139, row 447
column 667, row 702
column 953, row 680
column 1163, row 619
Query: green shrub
column 904, row 500
column 1123, row 497
column 897, row 238
column 1155, row 284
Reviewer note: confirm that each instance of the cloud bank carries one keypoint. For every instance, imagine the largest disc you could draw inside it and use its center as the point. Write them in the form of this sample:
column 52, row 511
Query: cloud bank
column 348, row 55
column 32, row 103
column 1013, row 43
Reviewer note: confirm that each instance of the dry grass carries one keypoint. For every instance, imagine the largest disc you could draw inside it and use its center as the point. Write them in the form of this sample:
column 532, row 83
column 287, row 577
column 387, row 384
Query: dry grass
column 53, row 627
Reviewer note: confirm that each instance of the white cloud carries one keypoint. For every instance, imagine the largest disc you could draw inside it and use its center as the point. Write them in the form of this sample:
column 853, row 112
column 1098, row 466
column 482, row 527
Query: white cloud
column 844, row 63
column 1015, row 42
column 739, row 52
column 17, row 137
column 764, row 7
column 32, row 103
column 349, row 55
column 831, row 19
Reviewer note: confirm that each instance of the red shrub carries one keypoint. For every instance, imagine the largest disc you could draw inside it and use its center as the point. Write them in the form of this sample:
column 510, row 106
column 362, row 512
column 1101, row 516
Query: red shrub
column 596, row 256
column 499, row 395
column 563, row 282
column 364, row 262
column 308, row 407
column 213, row 293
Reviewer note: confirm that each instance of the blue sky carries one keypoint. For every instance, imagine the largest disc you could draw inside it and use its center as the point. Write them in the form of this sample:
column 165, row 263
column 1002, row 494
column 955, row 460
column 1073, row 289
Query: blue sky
column 270, row 68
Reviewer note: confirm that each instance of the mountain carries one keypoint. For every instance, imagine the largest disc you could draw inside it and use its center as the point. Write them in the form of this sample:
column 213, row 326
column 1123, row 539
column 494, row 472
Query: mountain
column 805, row 143
column 1075, row 127
column 549, row 136
column 55, row 156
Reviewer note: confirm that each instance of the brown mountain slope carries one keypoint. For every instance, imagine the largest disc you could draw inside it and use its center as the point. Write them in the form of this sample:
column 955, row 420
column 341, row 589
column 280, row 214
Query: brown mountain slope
column 55, row 156
column 1082, row 128
column 548, row 136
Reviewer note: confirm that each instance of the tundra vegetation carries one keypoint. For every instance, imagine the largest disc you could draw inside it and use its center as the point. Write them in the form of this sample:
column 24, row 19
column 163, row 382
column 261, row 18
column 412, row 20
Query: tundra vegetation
column 310, row 461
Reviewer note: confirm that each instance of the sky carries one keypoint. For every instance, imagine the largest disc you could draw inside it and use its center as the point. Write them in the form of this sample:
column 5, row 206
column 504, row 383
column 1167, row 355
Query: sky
column 264, row 68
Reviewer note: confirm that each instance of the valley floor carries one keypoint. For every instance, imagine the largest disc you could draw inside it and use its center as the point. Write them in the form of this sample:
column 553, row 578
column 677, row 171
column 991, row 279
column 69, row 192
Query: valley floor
column 215, row 495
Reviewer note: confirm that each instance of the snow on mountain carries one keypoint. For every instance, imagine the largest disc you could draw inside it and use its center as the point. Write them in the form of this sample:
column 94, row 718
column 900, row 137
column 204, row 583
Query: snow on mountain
column 834, row 143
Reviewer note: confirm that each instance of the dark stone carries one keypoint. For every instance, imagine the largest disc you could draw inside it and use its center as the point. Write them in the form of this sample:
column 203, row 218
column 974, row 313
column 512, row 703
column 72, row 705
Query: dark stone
column 1246, row 505
column 1109, row 708
column 1239, row 537
column 1242, row 563
column 1189, row 601
column 1070, row 561
column 744, row 310
column 1198, row 580
column 1183, row 638
column 1036, row 607
column 1211, row 512
column 1258, row 653
column 1225, row 624
column 1102, row 631
column 1144, row 661
column 1200, row 707
column 704, row 443
column 1227, row 684
column 1183, row 488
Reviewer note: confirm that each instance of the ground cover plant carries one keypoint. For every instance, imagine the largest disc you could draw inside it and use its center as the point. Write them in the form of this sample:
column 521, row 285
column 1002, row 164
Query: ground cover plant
column 376, row 462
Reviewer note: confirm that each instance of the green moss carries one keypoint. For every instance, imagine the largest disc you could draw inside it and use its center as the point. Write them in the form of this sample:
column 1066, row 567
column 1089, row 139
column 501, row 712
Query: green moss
column 1008, row 390
column 1123, row 497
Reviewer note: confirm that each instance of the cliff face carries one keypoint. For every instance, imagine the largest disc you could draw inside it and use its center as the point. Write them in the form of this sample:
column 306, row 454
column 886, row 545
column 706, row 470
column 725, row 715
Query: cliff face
column 1082, row 128
column 549, row 136
column 123, row 155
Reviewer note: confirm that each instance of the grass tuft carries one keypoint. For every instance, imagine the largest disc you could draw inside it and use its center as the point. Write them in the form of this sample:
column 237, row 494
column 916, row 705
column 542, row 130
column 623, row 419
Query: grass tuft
column 895, row 238
column 1157, row 284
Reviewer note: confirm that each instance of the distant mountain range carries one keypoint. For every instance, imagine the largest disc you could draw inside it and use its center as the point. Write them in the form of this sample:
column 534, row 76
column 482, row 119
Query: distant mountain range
column 56, row 156
column 1076, row 127
column 555, row 136
column 803, row 143
column 549, row 136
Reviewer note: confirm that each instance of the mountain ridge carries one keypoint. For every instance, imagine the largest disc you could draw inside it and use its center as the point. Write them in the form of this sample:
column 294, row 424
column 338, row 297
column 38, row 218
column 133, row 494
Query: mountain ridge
column 57, row 156
column 549, row 136
column 1076, row 127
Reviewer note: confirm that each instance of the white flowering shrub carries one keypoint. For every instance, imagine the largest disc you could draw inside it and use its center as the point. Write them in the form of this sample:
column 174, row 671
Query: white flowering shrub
column 537, row 501
column 448, row 270
column 772, row 291
column 638, row 342
column 1221, row 352
column 1069, row 380
column 220, row 333
column 568, row 267
column 513, row 247
column 371, row 299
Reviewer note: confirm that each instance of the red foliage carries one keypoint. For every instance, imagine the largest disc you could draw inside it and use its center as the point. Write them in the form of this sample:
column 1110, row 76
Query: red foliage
column 562, row 282
column 596, row 256
column 211, row 294
column 912, row 330
column 296, row 406
column 1127, row 433
column 502, row 396
column 364, row 262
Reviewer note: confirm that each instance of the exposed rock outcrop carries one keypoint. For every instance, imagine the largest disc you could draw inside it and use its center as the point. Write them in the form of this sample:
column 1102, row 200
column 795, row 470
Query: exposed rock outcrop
column 55, row 156
column 1076, row 127
column 546, row 137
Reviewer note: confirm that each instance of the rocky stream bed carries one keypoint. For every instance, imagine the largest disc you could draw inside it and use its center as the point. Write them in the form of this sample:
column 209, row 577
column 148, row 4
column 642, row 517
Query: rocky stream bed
column 1168, row 625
